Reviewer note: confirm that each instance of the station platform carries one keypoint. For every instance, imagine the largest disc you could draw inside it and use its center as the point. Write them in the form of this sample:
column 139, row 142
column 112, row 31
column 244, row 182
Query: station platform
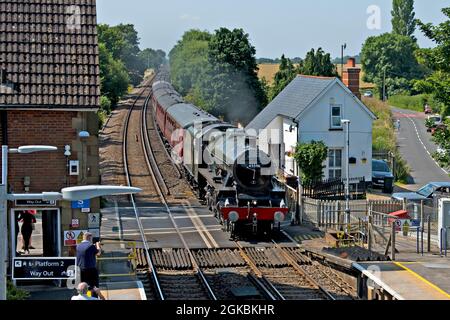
column 124, row 291
column 425, row 280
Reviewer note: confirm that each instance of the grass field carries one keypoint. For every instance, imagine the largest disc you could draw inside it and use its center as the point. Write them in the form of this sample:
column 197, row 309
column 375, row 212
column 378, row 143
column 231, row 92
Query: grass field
column 268, row 71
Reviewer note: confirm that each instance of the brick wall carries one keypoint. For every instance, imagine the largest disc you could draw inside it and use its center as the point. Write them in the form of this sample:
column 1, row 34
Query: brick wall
column 48, row 171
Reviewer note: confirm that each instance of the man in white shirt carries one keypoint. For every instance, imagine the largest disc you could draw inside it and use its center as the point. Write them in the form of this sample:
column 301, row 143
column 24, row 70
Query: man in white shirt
column 83, row 289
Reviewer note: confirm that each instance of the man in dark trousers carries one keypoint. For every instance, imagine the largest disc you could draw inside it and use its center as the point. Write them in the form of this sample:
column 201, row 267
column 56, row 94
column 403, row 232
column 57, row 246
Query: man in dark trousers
column 87, row 254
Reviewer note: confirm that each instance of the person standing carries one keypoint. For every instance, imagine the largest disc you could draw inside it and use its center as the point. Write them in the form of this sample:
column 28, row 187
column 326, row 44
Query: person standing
column 28, row 221
column 87, row 254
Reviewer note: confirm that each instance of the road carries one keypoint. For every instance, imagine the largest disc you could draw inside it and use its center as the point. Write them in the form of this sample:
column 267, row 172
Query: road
column 417, row 148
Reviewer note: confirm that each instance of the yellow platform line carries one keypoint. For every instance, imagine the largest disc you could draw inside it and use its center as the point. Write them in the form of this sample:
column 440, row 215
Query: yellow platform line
column 422, row 279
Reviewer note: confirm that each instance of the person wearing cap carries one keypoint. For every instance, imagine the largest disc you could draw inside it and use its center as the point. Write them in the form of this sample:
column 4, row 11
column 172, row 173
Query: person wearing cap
column 87, row 254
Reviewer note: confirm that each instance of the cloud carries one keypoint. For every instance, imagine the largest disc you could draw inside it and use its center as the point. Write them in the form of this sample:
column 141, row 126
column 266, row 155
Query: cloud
column 189, row 17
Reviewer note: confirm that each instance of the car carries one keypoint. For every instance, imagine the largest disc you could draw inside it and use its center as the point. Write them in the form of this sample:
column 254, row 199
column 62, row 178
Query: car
column 368, row 94
column 425, row 193
column 428, row 110
column 382, row 176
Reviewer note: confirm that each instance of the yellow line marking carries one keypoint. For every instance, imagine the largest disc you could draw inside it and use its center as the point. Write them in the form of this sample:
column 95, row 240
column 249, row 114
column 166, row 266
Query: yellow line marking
column 422, row 279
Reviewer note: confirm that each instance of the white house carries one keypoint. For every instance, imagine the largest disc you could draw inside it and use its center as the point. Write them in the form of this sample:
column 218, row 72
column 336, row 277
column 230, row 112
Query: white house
column 311, row 108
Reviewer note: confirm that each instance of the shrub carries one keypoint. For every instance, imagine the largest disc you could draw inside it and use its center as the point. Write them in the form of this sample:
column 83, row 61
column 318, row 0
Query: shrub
column 15, row 294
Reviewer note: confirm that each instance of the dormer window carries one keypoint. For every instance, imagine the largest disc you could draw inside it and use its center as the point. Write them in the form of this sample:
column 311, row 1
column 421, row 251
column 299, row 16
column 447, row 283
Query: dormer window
column 336, row 116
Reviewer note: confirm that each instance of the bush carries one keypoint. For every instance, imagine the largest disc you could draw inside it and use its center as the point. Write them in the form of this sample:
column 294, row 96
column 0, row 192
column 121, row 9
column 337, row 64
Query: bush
column 15, row 294
column 384, row 136
column 414, row 103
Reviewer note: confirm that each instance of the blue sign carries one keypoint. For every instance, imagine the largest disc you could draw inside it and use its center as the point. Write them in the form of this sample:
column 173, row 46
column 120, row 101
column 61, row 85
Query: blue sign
column 82, row 204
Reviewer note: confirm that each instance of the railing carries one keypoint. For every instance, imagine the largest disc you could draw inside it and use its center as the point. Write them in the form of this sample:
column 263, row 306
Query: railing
column 334, row 189
column 444, row 239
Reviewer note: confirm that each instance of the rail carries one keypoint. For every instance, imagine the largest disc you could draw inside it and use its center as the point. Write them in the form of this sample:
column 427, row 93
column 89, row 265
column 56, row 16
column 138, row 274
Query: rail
column 133, row 199
column 157, row 175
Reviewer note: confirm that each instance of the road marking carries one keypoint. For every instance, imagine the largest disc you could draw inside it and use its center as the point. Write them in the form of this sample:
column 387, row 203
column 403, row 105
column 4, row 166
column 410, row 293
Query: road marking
column 201, row 226
column 422, row 279
column 423, row 144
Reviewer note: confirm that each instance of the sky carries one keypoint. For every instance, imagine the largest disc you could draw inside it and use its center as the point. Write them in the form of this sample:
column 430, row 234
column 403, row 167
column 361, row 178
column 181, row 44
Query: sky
column 275, row 27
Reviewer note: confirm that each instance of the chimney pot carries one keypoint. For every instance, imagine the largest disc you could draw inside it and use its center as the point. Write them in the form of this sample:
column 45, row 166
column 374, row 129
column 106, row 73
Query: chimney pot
column 351, row 63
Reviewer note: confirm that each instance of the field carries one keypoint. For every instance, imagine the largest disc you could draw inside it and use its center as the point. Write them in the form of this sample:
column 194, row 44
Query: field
column 268, row 71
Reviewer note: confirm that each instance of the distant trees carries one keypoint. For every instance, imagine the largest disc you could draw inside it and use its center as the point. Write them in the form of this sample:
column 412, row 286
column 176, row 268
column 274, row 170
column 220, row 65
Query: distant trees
column 122, row 62
column 395, row 55
column 283, row 77
column 438, row 60
column 318, row 63
column 403, row 18
column 218, row 72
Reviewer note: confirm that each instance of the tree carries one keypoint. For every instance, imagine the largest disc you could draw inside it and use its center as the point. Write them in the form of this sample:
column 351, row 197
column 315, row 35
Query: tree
column 310, row 158
column 113, row 74
column 395, row 55
column 232, row 88
column 403, row 18
column 318, row 63
column 438, row 60
column 283, row 77
column 189, row 61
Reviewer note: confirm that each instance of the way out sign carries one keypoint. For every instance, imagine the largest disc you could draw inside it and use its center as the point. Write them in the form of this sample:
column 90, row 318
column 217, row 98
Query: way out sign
column 44, row 269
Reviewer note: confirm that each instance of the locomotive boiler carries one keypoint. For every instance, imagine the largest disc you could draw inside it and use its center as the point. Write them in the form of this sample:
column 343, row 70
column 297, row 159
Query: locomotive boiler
column 222, row 163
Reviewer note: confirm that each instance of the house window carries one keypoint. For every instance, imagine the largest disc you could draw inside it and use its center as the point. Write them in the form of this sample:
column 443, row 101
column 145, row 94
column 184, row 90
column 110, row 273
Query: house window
column 335, row 163
column 336, row 116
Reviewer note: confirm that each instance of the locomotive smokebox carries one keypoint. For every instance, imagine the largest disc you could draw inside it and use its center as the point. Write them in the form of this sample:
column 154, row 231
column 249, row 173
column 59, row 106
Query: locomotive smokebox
column 252, row 170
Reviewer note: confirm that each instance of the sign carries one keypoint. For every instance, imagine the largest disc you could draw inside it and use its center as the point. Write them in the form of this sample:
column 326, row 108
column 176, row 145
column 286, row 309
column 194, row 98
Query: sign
column 82, row 204
column 405, row 225
column 44, row 269
column 35, row 203
column 94, row 220
column 95, row 233
column 73, row 237
column 75, row 223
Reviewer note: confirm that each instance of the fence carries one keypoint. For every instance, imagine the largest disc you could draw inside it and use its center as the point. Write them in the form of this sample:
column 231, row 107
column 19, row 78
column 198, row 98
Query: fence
column 334, row 189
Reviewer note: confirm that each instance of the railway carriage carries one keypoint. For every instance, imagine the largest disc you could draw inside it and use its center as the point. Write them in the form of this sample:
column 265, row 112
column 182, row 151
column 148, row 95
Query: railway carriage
column 221, row 162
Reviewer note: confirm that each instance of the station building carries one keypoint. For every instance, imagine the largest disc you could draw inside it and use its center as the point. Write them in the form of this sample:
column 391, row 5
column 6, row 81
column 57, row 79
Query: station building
column 49, row 95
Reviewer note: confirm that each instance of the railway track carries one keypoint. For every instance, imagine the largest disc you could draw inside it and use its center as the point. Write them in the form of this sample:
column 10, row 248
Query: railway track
column 138, row 150
column 274, row 273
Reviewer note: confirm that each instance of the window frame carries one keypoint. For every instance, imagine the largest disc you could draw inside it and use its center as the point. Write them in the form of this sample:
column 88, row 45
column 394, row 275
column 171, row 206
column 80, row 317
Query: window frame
column 334, row 168
column 332, row 117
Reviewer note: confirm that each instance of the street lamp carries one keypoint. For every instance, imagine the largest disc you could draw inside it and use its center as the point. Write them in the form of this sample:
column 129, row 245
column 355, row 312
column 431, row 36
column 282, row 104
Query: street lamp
column 346, row 123
column 343, row 47
column 68, row 194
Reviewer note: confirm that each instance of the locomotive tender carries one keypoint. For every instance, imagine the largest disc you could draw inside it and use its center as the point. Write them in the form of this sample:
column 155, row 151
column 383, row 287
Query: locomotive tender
column 221, row 162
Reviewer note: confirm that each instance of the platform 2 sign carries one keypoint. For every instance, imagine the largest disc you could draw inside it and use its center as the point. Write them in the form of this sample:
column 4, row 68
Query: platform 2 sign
column 44, row 269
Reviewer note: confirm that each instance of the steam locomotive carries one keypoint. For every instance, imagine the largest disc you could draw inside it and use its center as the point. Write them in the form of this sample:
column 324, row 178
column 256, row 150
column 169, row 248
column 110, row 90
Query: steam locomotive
column 221, row 162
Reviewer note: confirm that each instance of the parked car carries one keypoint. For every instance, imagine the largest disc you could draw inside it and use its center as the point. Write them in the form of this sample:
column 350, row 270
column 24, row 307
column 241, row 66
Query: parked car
column 428, row 110
column 368, row 94
column 437, row 128
column 425, row 193
column 382, row 176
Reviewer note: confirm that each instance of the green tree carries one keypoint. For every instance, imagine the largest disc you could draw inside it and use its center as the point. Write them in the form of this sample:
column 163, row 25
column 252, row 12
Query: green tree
column 113, row 74
column 318, row 63
column 283, row 77
column 438, row 60
column 310, row 158
column 395, row 55
column 235, row 91
column 403, row 18
column 188, row 63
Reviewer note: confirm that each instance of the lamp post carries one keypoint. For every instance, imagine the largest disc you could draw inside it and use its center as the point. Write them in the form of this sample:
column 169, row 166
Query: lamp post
column 346, row 123
column 68, row 194
column 343, row 47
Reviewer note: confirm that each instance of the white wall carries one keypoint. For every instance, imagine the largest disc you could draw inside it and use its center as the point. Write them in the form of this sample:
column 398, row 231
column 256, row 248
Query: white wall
column 315, row 125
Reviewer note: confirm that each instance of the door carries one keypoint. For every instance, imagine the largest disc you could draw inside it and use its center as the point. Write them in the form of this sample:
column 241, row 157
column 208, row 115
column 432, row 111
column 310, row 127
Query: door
column 50, row 233
column 444, row 222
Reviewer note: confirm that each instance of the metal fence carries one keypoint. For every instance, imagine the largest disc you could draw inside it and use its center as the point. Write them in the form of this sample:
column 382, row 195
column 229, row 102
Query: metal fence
column 334, row 189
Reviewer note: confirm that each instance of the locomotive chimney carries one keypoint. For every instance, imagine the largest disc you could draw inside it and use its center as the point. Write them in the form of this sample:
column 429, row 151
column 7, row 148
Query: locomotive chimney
column 351, row 77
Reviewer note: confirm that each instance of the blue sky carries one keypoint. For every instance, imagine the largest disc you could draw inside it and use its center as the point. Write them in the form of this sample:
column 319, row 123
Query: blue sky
column 275, row 27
